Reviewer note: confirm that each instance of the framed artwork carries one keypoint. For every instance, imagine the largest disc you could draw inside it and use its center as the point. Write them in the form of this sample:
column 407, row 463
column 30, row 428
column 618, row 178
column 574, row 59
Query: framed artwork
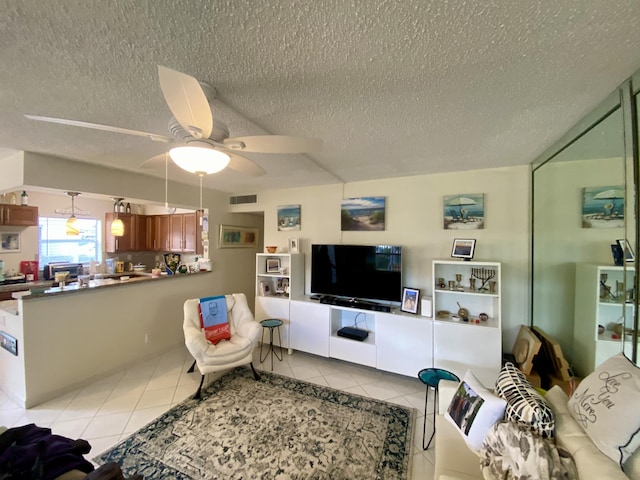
column 464, row 212
column 625, row 246
column 9, row 242
column 237, row 237
column 265, row 289
column 410, row 300
column 603, row 207
column 463, row 248
column 362, row 214
column 294, row 245
column 288, row 217
column 273, row 265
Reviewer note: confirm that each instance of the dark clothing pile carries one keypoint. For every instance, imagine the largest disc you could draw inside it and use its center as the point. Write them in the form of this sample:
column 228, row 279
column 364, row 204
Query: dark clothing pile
column 30, row 452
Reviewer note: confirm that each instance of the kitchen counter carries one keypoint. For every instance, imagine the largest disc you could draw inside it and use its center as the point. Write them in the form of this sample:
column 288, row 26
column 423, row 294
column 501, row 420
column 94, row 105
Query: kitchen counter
column 111, row 281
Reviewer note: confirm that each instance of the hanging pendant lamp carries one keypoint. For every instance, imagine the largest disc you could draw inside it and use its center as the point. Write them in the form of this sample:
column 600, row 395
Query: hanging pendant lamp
column 72, row 229
column 117, row 227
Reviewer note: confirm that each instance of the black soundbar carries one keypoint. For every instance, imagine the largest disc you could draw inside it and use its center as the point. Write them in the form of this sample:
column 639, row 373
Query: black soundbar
column 354, row 303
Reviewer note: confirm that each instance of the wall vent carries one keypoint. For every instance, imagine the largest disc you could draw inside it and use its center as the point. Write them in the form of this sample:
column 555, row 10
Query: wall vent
column 238, row 199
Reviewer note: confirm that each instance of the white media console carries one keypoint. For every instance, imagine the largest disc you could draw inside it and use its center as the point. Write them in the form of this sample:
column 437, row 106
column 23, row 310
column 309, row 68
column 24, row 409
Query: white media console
column 398, row 342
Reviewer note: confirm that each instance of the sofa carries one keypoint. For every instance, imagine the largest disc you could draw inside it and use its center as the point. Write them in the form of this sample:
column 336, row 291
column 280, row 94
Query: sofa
column 455, row 459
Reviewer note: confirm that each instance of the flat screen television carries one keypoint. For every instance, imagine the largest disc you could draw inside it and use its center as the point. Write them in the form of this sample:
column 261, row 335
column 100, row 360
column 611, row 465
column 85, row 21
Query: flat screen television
column 364, row 272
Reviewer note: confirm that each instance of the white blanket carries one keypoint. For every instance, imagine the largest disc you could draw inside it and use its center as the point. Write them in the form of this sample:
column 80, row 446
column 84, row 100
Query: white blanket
column 512, row 452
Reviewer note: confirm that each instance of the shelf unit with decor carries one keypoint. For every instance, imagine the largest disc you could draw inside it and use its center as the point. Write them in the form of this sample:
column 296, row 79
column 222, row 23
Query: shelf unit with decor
column 476, row 344
column 274, row 271
column 603, row 297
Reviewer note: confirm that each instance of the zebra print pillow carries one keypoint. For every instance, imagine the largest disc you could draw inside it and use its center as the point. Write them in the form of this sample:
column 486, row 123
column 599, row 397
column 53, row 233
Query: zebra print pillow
column 525, row 406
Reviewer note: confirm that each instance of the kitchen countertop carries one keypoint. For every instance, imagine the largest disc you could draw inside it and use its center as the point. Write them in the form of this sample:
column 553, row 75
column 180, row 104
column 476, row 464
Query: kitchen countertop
column 73, row 288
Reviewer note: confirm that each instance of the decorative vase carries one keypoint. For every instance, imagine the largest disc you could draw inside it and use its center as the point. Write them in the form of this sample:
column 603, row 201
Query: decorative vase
column 172, row 262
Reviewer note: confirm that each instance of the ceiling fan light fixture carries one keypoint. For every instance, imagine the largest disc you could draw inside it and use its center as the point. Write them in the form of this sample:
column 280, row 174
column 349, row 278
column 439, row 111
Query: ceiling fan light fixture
column 199, row 159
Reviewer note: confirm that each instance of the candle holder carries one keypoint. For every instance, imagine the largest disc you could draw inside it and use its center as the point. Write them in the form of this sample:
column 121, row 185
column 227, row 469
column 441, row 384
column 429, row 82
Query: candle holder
column 484, row 275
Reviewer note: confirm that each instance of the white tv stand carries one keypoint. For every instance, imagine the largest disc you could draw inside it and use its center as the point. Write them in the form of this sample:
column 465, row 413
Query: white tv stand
column 398, row 342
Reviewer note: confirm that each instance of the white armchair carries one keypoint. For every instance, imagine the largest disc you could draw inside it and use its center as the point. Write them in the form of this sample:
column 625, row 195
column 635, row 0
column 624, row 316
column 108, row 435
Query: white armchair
column 238, row 350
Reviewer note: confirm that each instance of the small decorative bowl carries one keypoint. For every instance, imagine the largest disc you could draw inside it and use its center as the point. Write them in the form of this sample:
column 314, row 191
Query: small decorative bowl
column 271, row 249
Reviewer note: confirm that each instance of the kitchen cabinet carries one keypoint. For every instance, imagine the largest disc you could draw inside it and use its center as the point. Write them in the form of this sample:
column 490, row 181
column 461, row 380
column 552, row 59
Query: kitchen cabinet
column 125, row 243
column 145, row 233
column 184, row 234
column 161, row 233
column 18, row 216
column 155, row 233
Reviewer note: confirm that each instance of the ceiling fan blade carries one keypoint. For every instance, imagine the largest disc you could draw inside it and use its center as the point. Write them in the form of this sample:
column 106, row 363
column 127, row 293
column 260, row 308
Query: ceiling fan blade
column 187, row 101
column 97, row 126
column 273, row 144
column 154, row 162
column 244, row 165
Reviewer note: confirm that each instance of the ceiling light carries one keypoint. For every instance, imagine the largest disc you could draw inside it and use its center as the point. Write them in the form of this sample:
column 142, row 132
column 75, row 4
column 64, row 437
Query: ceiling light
column 117, row 227
column 201, row 160
column 72, row 228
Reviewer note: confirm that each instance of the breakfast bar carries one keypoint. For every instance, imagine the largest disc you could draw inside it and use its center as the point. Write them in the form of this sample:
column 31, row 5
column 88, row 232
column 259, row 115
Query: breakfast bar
column 71, row 336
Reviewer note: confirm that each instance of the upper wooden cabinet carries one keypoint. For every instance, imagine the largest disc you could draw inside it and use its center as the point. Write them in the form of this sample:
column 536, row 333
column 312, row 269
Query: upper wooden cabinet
column 185, row 233
column 161, row 233
column 125, row 243
column 158, row 233
column 18, row 216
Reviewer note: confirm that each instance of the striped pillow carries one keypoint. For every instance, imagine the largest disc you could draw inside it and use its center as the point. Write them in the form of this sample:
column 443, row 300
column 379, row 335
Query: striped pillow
column 525, row 406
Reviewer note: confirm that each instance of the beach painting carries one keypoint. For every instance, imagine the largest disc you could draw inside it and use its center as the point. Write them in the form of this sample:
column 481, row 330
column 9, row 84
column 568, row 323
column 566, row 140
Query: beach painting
column 362, row 214
column 288, row 218
column 464, row 211
column 603, row 207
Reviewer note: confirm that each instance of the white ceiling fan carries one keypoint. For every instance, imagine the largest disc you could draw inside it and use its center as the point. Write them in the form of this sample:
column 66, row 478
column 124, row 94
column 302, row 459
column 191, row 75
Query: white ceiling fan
column 203, row 143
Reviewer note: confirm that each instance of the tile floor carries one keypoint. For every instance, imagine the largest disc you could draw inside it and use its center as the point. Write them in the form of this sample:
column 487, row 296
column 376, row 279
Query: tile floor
column 109, row 410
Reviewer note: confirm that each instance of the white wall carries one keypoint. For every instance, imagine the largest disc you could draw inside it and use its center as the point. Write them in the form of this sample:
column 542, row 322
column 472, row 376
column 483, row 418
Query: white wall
column 414, row 219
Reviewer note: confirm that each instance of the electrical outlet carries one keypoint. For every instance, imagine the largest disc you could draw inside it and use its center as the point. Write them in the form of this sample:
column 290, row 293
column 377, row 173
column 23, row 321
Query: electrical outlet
column 128, row 256
column 146, row 338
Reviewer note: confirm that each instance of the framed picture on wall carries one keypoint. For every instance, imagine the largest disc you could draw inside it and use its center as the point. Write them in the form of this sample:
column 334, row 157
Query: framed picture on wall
column 10, row 242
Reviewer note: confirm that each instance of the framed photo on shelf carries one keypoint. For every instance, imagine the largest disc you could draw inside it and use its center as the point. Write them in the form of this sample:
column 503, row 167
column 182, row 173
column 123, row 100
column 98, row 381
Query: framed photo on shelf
column 625, row 246
column 410, row 300
column 463, row 248
column 273, row 265
column 294, row 245
column 265, row 288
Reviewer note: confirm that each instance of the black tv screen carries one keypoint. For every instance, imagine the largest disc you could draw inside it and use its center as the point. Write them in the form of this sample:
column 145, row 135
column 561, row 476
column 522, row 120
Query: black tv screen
column 368, row 272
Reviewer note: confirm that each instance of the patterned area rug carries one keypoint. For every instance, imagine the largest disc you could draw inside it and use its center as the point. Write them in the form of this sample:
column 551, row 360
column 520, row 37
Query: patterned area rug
column 275, row 428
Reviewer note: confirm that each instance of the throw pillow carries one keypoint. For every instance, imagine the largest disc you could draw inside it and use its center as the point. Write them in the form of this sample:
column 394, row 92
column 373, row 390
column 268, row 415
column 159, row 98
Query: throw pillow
column 214, row 319
column 525, row 406
column 474, row 410
column 605, row 404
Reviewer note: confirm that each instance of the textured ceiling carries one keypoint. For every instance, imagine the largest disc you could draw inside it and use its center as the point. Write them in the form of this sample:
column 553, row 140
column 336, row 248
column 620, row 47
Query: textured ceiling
column 393, row 88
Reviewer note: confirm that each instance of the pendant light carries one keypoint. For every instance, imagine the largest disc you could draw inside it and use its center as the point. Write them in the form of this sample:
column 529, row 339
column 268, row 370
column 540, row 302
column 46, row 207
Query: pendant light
column 72, row 229
column 117, row 227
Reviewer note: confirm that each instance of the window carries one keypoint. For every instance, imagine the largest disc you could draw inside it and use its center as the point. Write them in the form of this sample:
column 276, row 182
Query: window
column 56, row 246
